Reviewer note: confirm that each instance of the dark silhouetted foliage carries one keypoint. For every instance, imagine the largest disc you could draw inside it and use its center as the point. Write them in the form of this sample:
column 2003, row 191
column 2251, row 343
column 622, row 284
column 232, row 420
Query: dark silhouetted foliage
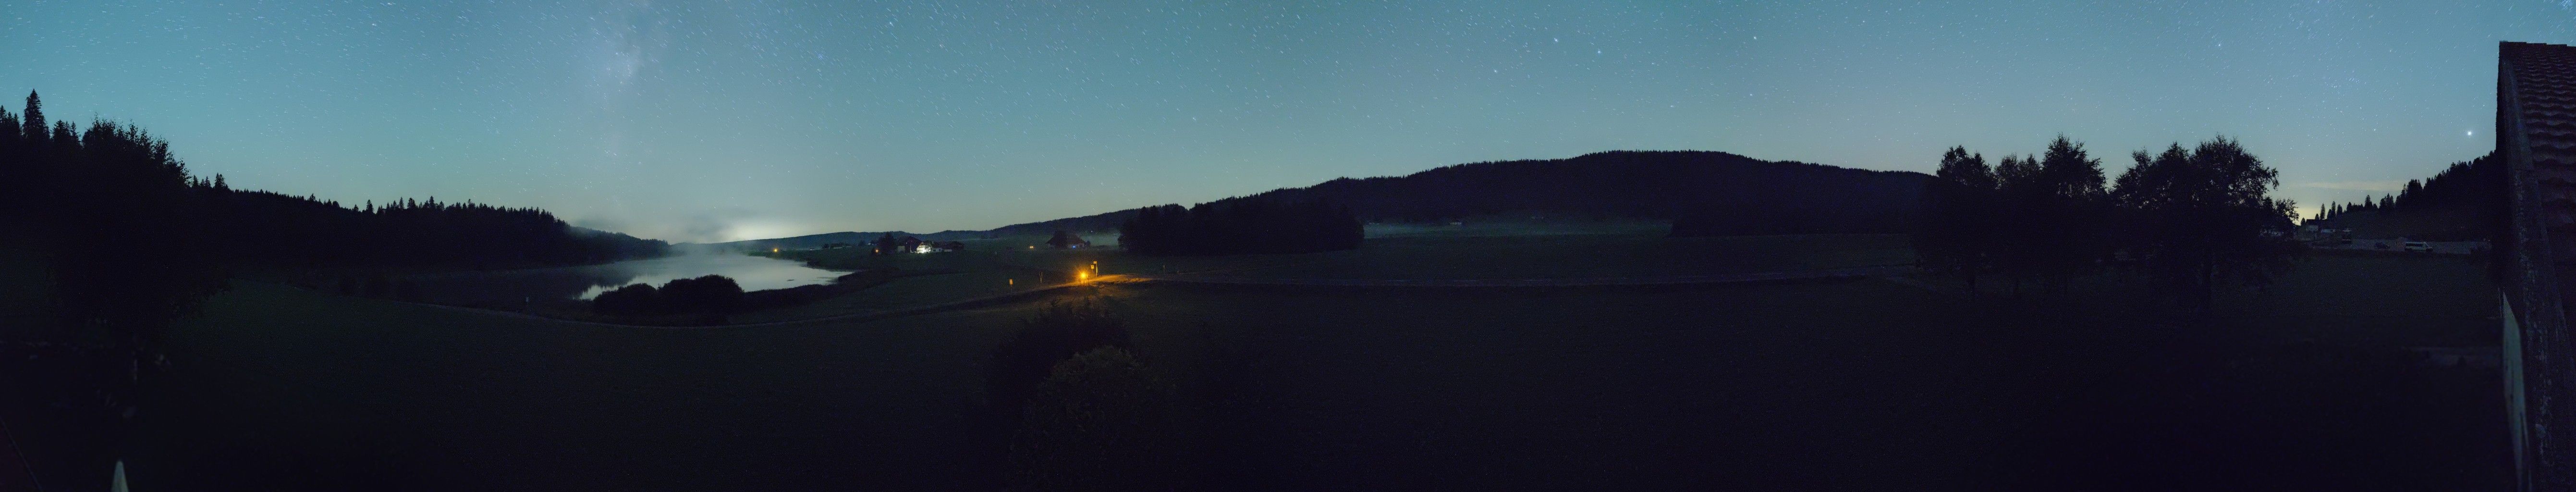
column 2464, row 202
column 1960, row 217
column 1060, row 330
column 2190, row 218
column 886, row 244
column 2043, row 217
column 2199, row 217
column 2063, row 215
column 121, row 226
column 273, row 228
column 133, row 241
column 1241, row 226
column 631, row 299
column 1101, row 421
column 711, row 294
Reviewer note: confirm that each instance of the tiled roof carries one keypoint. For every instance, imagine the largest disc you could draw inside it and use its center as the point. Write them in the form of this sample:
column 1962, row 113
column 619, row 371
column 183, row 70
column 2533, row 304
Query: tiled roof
column 2536, row 134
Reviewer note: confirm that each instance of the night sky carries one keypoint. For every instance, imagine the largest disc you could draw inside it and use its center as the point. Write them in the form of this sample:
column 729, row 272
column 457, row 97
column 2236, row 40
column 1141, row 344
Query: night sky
column 698, row 121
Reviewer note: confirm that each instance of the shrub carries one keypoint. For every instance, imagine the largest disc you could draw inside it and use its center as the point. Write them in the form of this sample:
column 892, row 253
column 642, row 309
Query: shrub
column 713, row 294
column 1100, row 421
column 637, row 298
column 1060, row 330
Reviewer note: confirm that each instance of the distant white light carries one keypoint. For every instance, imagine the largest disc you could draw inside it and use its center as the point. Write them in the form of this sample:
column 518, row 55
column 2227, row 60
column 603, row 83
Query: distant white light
column 2469, row 133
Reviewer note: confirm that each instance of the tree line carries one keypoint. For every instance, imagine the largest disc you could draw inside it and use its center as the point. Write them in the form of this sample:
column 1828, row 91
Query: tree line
column 1241, row 227
column 2466, row 201
column 2190, row 219
column 132, row 240
column 90, row 191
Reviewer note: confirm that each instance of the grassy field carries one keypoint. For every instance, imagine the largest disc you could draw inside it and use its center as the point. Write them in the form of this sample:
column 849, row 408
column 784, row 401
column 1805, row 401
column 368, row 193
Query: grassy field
column 1865, row 384
column 1501, row 250
column 280, row 388
column 1455, row 256
column 908, row 292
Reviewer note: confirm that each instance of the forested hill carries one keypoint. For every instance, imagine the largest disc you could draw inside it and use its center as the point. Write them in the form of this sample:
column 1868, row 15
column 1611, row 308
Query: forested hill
column 105, row 195
column 1704, row 192
column 1729, row 193
column 2465, row 201
column 818, row 240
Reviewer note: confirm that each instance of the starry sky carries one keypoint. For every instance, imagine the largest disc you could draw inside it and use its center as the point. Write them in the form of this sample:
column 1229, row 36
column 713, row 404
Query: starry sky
column 708, row 121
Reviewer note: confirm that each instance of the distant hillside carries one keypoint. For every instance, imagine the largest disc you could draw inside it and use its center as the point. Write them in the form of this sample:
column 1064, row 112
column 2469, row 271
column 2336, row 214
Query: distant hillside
column 2466, row 201
column 853, row 238
column 1705, row 193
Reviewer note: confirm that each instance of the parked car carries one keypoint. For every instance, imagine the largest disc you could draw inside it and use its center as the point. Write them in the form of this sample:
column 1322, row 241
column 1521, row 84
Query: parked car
column 2419, row 246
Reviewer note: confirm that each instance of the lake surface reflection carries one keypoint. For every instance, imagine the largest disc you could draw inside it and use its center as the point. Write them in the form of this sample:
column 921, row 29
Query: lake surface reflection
column 508, row 287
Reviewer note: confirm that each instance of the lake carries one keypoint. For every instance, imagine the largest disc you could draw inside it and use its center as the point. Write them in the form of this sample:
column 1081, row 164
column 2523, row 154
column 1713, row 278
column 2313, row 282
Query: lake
column 511, row 287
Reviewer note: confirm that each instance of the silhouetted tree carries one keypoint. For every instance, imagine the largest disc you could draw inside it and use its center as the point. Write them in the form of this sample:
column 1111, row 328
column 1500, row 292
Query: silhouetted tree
column 2021, row 200
column 2200, row 217
column 2072, row 213
column 1960, row 205
column 33, row 123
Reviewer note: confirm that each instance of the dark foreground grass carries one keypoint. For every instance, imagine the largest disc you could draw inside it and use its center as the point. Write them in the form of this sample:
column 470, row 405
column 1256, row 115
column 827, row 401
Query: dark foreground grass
column 53, row 411
column 284, row 389
column 1862, row 384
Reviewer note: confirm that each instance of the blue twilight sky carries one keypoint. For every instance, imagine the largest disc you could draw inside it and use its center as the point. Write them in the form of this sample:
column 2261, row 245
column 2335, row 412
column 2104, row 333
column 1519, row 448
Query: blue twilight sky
column 698, row 121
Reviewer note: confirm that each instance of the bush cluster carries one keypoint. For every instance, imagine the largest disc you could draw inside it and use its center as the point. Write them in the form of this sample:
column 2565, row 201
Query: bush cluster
column 712, row 294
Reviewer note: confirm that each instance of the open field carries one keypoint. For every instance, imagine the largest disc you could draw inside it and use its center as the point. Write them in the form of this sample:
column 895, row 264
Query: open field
column 1433, row 256
column 909, row 292
column 1861, row 384
column 989, row 267
column 282, row 388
